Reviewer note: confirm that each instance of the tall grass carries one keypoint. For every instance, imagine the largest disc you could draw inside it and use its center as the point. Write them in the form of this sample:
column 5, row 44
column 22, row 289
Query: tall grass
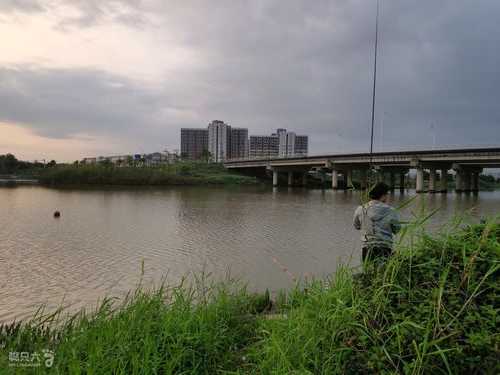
column 432, row 308
column 184, row 173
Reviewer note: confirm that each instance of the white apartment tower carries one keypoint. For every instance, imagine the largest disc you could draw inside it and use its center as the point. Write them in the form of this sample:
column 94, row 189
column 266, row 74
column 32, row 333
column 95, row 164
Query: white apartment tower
column 287, row 143
column 219, row 140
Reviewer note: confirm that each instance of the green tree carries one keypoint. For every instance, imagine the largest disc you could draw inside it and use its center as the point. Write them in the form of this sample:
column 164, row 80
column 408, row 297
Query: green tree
column 206, row 155
column 8, row 163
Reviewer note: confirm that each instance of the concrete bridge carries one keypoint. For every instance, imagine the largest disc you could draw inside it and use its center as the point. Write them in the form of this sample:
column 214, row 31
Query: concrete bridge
column 434, row 165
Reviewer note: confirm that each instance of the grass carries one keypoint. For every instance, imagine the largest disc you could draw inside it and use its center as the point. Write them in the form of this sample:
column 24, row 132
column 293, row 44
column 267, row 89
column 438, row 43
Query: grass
column 433, row 308
column 184, row 173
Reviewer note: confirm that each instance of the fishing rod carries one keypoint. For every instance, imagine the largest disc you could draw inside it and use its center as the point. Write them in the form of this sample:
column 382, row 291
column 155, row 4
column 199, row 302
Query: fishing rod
column 374, row 90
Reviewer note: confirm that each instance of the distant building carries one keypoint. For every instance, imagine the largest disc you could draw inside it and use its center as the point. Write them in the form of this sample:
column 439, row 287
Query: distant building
column 264, row 146
column 239, row 143
column 279, row 144
column 194, row 143
column 89, row 160
column 224, row 142
column 301, row 145
column 219, row 141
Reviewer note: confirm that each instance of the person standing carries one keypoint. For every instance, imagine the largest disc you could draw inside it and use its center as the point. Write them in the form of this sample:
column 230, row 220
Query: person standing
column 379, row 223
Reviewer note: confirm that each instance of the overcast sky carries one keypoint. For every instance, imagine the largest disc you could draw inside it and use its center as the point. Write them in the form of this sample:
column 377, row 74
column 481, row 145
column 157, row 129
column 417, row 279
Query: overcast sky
column 97, row 77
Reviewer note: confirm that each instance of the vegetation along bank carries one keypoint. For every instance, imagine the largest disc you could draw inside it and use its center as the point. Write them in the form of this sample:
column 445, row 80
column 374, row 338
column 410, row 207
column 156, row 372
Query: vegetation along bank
column 181, row 173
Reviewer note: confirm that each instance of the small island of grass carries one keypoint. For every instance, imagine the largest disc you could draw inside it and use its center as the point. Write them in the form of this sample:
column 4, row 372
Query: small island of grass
column 181, row 173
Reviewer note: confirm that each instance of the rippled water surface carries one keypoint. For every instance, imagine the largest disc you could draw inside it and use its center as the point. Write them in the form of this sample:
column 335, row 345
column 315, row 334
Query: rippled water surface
column 96, row 248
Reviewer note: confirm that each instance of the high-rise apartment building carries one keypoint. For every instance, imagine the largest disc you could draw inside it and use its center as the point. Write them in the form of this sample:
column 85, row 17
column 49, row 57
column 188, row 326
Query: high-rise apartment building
column 264, row 146
column 194, row 143
column 279, row 144
column 224, row 142
column 219, row 141
column 239, row 143
column 301, row 145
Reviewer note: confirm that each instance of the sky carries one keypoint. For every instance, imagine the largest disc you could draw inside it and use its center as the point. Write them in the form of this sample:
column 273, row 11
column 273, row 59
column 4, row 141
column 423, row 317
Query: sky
column 101, row 77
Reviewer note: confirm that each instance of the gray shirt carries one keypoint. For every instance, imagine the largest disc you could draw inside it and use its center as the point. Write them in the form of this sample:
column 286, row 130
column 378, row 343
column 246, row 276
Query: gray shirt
column 379, row 223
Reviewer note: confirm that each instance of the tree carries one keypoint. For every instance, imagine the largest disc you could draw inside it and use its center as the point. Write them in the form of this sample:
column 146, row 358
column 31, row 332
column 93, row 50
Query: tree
column 206, row 155
column 8, row 163
column 105, row 163
column 51, row 164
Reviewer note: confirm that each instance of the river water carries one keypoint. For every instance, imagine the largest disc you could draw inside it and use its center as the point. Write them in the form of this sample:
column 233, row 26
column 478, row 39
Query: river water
column 103, row 237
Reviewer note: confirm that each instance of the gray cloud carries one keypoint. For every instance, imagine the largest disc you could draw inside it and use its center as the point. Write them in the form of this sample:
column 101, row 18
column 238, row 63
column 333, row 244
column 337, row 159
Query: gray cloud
column 306, row 66
column 64, row 103
column 27, row 6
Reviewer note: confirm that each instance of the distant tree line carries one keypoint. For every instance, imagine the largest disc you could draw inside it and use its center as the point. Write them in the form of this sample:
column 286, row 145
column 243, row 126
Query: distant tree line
column 10, row 164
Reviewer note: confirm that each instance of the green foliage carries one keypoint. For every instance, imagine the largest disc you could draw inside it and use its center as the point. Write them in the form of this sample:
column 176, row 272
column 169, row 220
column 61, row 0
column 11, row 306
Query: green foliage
column 184, row 173
column 9, row 164
column 433, row 308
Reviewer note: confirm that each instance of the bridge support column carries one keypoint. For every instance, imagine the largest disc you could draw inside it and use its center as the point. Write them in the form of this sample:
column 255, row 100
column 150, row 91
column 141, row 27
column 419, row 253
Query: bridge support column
column 459, row 181
column 420, row 180
column 475, row 182
column 402, row 182
column 304, row 179
column 467, row 181
column 392, row 181
column 275, row 178
column 335, row 179
column 380, row 176
column 364, row 181
column 290, row 178
column 348, row 175
column 444, row 180
column 432, row 180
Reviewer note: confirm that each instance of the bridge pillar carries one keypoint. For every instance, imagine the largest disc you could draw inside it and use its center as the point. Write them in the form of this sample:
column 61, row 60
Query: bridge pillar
column 380, row 175
column 304, row 179
column 290, row 178
column 348, row 175
column 275, row 178
column 335, row 179
column 432, row 180
column 402, row 182
column 444, row 180
column 364, row 181
column 392, row 180
column 467, row 181
column 420, row 180
column 475, row 182
column 459, row 181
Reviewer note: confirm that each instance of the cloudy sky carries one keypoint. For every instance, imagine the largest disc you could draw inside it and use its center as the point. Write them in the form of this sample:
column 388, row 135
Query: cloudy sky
column 97, row 77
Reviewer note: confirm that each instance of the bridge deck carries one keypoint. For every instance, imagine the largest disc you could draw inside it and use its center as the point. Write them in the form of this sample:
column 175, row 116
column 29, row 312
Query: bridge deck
column 485, row 157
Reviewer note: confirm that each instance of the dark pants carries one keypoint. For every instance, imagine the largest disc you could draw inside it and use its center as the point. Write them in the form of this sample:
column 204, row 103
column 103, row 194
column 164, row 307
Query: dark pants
column 371, row 253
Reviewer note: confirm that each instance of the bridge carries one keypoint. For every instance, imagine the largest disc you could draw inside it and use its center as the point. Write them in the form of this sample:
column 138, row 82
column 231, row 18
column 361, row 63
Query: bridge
column 432, row 168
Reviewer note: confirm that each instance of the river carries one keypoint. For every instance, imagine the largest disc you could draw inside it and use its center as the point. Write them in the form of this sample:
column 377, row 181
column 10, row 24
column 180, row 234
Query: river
column 98, row 245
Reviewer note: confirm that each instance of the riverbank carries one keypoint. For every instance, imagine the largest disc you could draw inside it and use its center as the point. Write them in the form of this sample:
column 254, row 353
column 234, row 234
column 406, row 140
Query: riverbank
column 184, row 173
column 433, row 308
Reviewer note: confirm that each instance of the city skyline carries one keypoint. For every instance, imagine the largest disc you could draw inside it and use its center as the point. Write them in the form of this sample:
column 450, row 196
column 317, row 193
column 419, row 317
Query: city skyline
column 81, row 78
column 220, row 141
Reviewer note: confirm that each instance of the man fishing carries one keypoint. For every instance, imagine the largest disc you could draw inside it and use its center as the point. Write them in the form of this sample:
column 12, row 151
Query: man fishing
column 379, row 222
